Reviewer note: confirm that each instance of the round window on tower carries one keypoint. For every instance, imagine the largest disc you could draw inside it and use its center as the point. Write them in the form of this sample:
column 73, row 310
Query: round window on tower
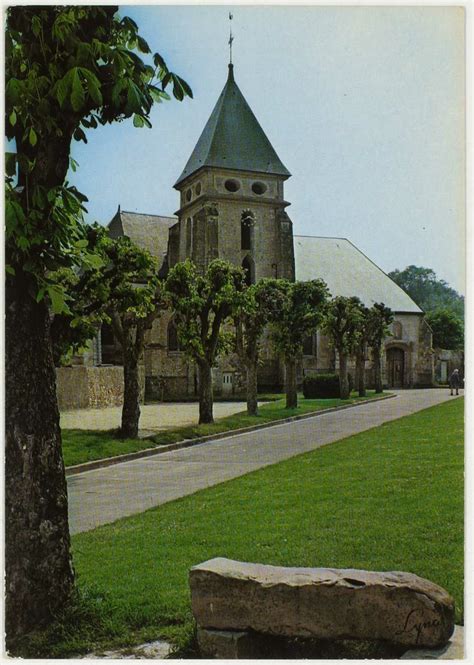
column 188, row 195
column 232, row 185
column 259, row 188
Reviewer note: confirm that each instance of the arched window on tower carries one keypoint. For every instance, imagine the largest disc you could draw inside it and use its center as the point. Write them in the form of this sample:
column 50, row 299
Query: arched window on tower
column 173, row 341
column 247, row 221
column 249, row 269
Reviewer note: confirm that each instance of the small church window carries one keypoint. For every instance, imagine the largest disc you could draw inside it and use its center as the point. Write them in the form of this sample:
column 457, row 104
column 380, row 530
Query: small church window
column 247, row 221
column 232, row 185
column 259, row 188
column 308, row 346
column 198, row 189
column 173, row 341
column 249, row 270
column 188, row 195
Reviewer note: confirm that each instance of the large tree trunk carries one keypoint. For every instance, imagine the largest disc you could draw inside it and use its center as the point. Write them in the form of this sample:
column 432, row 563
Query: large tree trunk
column 131, row 397
column 378, row 370
column 206, row 396
column 39, row 572
column 252, row 390
column 360, row 372
column 291, row 391
column 343, row 380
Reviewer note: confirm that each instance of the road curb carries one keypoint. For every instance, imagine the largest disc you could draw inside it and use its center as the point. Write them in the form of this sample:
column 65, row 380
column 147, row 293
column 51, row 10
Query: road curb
column 187, row 443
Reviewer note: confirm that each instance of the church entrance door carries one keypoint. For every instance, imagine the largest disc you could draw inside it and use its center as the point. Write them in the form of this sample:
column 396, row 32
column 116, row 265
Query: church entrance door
column 395, row 367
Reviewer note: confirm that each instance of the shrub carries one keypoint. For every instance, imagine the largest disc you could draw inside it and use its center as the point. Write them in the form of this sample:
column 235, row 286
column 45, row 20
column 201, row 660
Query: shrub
column 321, row 386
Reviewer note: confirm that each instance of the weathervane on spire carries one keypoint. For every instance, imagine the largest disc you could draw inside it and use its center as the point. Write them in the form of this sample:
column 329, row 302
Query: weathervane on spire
column 231, row 36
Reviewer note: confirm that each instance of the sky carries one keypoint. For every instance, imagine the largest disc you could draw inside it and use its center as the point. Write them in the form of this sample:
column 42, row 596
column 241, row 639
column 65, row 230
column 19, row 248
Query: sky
column 364, row 105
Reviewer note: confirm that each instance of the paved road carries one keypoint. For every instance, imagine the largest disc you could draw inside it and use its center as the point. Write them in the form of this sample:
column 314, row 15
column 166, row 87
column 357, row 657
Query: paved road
column 105, row 495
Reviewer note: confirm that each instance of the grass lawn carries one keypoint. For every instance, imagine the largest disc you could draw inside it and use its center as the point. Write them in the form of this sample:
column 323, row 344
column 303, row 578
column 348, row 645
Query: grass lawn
column 390, row 498
column 87, row 445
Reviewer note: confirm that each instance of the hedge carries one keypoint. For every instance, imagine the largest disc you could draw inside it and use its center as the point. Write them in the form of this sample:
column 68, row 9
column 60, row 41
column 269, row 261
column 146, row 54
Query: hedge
column 321, row 386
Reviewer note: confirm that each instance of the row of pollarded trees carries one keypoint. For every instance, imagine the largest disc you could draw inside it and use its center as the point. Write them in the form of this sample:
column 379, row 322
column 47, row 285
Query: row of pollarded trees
column 352, row 328
column 216, row 313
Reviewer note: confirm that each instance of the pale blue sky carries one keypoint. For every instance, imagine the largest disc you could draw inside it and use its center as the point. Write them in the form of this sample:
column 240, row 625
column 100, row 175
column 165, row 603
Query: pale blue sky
column 364, row 106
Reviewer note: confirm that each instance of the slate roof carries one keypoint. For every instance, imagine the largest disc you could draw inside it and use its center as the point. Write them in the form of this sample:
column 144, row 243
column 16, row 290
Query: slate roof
column 233, row 138
column 150, row 232
column 348, row 272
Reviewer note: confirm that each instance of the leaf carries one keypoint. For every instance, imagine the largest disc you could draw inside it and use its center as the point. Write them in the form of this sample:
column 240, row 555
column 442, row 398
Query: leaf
column 33, row 139
column 79, row 135
column 185, row 86
column 159, row 62
column 9, row 269
column 36, row 26
column 58, row 302
column 12, row 118
column 62, row 89
column 143, row 45
column 10, row 163
column 81, row 244
column 138, row 120
column 73, row 164
column 133, row 98
column 77, row 91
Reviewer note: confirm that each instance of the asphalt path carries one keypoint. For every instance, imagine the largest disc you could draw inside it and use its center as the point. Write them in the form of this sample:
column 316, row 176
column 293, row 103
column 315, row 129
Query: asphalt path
column 104, row 495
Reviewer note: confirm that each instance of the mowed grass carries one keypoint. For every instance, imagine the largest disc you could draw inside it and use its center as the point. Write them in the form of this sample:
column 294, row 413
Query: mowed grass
column 88, row 445
column 390, row 498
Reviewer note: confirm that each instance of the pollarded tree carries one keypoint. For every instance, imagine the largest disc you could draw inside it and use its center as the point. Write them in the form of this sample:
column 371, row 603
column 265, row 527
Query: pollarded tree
column 341, row 322
column 137, row 299
column 260, row 304
column 300, row 315
column 360, row 348
column 123, row 289
column 202, row 304
column 379, row 319
column 68, row 68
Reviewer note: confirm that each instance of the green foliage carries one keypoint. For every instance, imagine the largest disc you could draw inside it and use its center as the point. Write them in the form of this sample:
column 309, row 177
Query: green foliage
column 342, row 322
column 448, row 329
column 120, row 284
column 379, row 317
column 260, row 304
column 429, row 292
column 68, row 69
column 321, row 386
column 202, row 303
column 299, row 316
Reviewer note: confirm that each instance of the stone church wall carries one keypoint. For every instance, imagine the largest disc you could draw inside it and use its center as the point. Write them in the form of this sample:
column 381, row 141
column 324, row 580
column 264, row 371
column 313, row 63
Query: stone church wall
column 82, row 387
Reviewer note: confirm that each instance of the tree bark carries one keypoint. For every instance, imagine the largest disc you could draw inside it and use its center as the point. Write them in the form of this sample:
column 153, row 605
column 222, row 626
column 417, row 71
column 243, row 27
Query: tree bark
column 343, row 380
column 252, row 389
column 291, row 391
column 131, row 397
column 206, row 396
column 378, row 370
column 39, row 572
column 360, row 371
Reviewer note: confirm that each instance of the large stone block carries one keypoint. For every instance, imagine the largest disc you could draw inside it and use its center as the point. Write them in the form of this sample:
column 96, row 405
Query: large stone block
column 321, row 603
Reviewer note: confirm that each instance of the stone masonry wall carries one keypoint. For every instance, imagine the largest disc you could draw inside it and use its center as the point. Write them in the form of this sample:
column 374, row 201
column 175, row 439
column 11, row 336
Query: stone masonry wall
column 91, row 387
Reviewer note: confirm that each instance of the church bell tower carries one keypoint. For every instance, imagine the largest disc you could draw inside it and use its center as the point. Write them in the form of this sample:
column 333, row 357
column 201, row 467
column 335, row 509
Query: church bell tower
column 232, row 205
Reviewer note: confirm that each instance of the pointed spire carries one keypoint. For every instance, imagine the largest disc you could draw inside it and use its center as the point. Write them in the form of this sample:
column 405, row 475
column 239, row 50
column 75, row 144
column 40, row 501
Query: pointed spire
column 233, row 138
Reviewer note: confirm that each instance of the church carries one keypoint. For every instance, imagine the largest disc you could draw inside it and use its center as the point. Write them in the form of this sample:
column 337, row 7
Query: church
column 232, row 206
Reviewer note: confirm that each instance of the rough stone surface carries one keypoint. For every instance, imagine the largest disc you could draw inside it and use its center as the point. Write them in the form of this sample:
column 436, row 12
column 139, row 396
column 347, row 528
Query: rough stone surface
column 225, row 644
column 152, row 650
column 453, row 650
column 323, row 603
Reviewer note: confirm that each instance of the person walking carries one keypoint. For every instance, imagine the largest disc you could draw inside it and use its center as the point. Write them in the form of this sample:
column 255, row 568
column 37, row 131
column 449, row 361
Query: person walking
column 455, row 381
